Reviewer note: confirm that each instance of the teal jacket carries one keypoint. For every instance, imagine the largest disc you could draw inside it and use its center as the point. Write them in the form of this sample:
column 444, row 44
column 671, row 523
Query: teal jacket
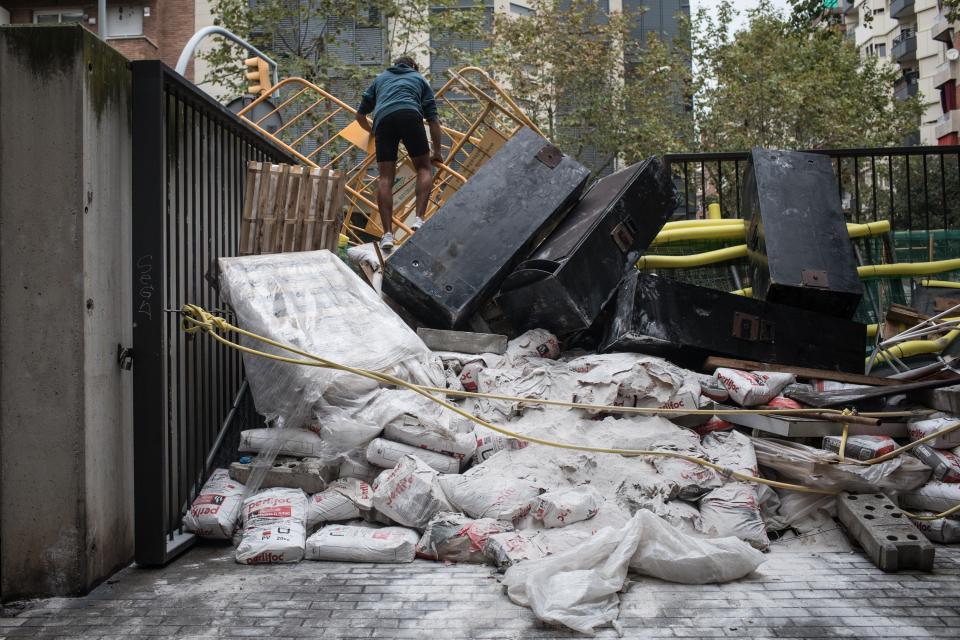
column 399, row 87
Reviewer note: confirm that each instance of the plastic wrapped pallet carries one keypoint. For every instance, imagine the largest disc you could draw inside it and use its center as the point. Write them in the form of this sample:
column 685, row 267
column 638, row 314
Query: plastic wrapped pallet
column 215, row 511
column 386, row 454
column 454, row 537
column 344, row 499
column 480, row 493
column 313, row 301
column 922, row 428
column 273, row 527
column 942, row 530
column 945, row 464
column 861, row 447
column 733, row 510
column 560, row 508
column 350, row 543
column 934, row 496
column 410, row 493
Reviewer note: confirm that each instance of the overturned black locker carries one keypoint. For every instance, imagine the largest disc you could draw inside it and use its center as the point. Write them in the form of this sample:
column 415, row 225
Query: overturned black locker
column 565, row 283
column 674, row 319
column 799, row 249
column 458, row 259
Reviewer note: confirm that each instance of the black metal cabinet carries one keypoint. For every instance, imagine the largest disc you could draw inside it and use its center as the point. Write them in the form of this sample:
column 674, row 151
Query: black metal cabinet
column 565, row 283
column 458, row 259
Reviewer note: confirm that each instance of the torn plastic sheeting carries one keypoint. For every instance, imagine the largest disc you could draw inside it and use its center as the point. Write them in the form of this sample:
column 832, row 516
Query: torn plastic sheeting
column 348, row 543
column 579, row 588
column 454, row 537
column 386, row 454
column 409, row 494
column 215, row 511
column 273, row 527
column 344, row 499
column 819, row 469
column 314, row 302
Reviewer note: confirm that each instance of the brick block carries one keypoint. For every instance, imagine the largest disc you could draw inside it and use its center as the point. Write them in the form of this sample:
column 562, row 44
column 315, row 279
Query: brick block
column 890, row 540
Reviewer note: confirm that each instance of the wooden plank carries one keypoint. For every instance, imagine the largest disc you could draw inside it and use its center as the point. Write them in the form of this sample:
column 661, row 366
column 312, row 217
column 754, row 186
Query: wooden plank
column 332, row 216
column 324, row 192
column 338, row 211
column 248, row 219
column 269, row 183
column 715, row 362
column 310, row 210
column 291, row 211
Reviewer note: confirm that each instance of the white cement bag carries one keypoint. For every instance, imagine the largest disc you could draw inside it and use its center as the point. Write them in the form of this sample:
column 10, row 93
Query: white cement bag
column 923, row 428
column 481, row 494
column 359, row 468
column 410, row 493
column 273, row 527
column 454, row 537
column 215, row 511
column 536, row 343
column 299, row 443
column 733, row 510
column 861, row 447
column 343, row 431
column 934, row 496
column 945, row 464
column 637, row 381
column 490, row 442
column 408, row 429
column 349, row 543
column 749, row 389
column 386, row 454
column 731, row 450
column 470, row 371
column 344, row 499
column 692, row 480
column 563, row 507
column 942, row 530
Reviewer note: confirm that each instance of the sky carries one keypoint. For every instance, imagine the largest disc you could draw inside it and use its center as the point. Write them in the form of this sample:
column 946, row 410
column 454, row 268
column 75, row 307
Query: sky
column 738, row 4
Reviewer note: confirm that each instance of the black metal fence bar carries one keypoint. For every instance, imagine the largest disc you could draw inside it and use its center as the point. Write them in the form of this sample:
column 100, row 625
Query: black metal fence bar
column 189, row 160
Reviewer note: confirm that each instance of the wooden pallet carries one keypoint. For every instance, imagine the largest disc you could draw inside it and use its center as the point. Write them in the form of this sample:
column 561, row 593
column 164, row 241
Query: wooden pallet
column 290, row 208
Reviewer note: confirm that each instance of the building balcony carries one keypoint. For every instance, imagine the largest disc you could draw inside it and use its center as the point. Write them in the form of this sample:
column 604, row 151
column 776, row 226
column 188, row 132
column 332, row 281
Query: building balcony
column 942, row 30
column 905, row 47
column 906, row 86
column 948, row 123
column 945, row 72
column 901, row 9
column 848, row 6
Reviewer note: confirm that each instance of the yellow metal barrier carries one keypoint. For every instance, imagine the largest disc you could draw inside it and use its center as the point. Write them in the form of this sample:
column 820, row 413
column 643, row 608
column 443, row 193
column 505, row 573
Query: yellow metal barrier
column 320, row 130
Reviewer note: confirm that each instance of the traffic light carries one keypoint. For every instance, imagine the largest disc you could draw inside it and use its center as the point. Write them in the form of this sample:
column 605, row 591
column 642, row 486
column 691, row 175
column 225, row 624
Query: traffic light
column 258, row 76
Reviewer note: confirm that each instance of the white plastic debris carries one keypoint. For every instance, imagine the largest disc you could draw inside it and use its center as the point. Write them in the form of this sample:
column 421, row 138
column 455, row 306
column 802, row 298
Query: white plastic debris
column 733, row 510
column 312, row 301
column 942, row 530
column 410, row 493
column 480, row 493
column 923, row 428
column 490, row 442
column 351, row 543
column 535, row 343
column 861, row 447
column 579, row 588
column 299, row 443
column 344, row 499
column 945, row 464
column 934, row 496
column 215, row 511
column 560, row 508
column 454, row 537
column 386, row 454
column 749, row 389
column 273, row 527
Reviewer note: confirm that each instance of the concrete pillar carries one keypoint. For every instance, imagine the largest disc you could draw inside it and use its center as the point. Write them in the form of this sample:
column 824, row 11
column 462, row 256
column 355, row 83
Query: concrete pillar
column 66, row 474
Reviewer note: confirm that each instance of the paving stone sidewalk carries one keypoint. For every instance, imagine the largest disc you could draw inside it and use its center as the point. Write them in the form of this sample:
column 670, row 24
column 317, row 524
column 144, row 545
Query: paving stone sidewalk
column 795, row 594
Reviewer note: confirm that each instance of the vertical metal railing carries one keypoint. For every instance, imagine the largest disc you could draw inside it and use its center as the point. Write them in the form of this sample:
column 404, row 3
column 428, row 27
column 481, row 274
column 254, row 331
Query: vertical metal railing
column 189, row 161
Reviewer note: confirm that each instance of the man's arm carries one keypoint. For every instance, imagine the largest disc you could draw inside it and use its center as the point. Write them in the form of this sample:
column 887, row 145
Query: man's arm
column 436, row 137
column 429, row 105
column 367, row 103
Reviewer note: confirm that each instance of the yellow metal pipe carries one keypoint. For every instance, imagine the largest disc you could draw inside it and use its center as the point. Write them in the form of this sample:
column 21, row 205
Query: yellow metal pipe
column 746, row 292
column 703, row 222
column 904, row 269
column 917, row 347
column 735, row 228
column 872, row 330
column 948, row 284
column 696, row 260
column 713, row 211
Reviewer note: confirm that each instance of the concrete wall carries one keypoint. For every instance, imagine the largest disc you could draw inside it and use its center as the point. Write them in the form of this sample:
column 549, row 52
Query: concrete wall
column 66, row 474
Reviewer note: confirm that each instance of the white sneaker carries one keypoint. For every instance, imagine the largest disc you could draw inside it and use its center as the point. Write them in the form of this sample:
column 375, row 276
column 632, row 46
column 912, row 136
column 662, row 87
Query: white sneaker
column 417, row 223
column 386, row 242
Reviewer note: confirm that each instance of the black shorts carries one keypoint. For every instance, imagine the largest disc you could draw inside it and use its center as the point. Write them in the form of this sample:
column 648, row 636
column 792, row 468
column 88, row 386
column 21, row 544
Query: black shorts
column 405, row 125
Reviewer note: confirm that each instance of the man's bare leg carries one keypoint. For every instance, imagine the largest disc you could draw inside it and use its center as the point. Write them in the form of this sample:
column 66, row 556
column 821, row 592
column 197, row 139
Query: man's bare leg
column 388, row 172
column 424, row 182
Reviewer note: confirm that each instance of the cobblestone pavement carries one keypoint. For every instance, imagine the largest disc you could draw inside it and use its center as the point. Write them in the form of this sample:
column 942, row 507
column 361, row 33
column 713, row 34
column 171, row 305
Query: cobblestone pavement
column 795, row 594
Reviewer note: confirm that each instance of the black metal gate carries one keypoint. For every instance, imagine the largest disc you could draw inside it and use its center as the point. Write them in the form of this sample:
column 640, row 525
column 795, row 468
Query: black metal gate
column 189, row 163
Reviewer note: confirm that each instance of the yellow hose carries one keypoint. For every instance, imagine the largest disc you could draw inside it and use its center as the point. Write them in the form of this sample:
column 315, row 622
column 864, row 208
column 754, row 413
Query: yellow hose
column 196, row 319
column 702, row 222
column 697, row 260
column 948, row 284
column 711, row 232
column 904, row 269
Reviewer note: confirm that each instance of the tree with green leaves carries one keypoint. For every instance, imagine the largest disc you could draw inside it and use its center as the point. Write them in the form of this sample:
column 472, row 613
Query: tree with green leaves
column 775, row 83
column 591, row 87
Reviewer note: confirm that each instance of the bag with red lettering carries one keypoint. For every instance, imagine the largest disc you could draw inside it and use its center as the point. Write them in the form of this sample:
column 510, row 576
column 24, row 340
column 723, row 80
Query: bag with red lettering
column 410, row 493
column 749, row 389
column 215, row 511
column 344, row 499
column 454, row 537
column 861, row 447
column 481, row 493
column 273, row 527
column 942, row 530
column 560, row 508
column 945, row 464
column 349, row 543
